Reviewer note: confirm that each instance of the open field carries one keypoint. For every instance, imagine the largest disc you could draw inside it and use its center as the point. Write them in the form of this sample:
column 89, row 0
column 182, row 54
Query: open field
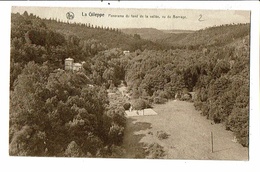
column 189, row 134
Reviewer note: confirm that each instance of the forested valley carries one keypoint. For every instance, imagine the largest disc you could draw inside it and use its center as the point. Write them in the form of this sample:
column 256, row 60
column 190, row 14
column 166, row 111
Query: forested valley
column 54, row 112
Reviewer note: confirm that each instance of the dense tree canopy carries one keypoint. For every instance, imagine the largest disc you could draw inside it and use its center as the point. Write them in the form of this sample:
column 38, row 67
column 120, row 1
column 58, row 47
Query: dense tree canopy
column 55, row 112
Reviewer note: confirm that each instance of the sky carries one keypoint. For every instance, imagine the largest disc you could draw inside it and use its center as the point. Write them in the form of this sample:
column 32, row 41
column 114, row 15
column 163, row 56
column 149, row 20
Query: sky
column 183, row 20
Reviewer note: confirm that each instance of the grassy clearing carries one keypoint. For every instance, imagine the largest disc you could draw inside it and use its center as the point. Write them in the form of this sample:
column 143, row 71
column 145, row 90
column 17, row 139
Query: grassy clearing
column 188, row 134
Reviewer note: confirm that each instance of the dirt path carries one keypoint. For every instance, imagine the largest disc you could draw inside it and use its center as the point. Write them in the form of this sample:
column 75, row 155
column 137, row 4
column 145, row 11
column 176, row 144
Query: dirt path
column 189, row 134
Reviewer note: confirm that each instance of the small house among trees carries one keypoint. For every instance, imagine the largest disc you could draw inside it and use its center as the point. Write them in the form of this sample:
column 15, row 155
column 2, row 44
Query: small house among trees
column 70, row 65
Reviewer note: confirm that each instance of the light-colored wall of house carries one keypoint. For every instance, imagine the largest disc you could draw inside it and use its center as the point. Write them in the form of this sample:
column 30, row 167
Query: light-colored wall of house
column 70, row 65
column 77, row 66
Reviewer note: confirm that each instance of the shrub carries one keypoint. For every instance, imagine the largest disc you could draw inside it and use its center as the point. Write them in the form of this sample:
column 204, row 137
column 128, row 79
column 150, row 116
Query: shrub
column 154, row 151
column 205, row 109
column 186, row 97
column 140, row 155
column 116, row 134
column 238, row 123
column 163, row 94
column 198, row 105
column 117, row 152
column 140, row 104
column 156, row 100
column 159, row 100
column 127, row 106
column 162, row 135
column 73, row 150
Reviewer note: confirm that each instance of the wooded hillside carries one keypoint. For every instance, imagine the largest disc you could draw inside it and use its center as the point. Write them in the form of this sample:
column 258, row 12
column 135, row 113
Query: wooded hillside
column 113, row 37
column 54, row 112
column 212, row 36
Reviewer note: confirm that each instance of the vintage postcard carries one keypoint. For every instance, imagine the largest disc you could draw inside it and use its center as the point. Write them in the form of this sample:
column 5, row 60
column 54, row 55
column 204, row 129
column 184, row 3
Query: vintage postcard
column 129, row 83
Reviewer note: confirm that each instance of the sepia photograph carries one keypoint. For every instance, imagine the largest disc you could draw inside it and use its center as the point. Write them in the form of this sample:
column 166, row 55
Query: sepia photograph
column 129, row 83
column 129, row 86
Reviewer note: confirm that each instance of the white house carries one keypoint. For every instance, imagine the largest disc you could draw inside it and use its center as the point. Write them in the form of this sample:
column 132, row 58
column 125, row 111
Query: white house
column 70, row 65
column 77, row 66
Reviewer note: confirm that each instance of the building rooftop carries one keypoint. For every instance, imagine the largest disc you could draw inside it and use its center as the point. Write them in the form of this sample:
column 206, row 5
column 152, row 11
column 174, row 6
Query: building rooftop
column 77, row 64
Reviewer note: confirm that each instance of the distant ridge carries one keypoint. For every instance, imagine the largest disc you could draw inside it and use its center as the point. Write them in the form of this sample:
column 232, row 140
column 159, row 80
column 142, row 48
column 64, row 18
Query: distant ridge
column 178, row 31
column 153, row 34
column 212, row 36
